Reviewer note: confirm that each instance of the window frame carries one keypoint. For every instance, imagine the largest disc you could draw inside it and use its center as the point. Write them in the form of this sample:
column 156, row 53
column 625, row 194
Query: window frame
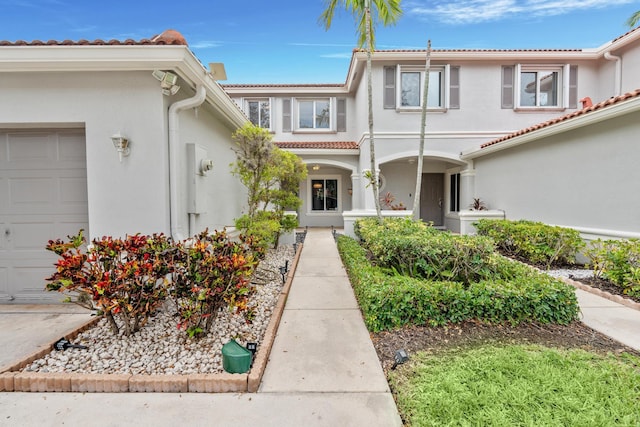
column 246, row 102
column 332, row 115
column 339, row 207
column 563, row 73
column 444, row 86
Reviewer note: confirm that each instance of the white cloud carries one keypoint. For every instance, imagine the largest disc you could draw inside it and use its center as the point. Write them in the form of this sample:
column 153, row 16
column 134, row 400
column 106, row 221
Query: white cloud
column 344, row 55
column 469, row 11
column 205, row 44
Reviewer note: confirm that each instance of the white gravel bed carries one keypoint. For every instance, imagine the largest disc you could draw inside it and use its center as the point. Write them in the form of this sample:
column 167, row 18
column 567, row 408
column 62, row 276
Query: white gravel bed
column 571, row 274
column 161, row 348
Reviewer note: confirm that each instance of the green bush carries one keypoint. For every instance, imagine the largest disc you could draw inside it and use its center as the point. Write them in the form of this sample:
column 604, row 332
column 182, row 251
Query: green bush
column 617, row 261
column 417, row 250
column 534, row 241
column 518, row 293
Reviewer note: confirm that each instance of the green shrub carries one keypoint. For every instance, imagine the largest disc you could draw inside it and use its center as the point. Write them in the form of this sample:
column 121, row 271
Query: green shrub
column 534, row 241
column 417, row 250
column 617, row 261
column 519, row 293
column 128, row 279
column 119, row 278
column 212, row 272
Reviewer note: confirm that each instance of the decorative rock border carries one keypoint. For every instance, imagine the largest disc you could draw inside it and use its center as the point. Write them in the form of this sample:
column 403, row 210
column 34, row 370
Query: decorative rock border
column 11, row 379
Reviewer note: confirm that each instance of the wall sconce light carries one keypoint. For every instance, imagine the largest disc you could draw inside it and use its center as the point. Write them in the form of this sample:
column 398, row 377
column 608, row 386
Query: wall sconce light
column 121, row 144
column 167, row 82
column 350, row 190
column 316, row 167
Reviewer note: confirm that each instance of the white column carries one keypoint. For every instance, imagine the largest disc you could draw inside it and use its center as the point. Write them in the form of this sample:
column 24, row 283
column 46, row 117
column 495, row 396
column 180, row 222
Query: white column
column 467, row 187
column 356, row 188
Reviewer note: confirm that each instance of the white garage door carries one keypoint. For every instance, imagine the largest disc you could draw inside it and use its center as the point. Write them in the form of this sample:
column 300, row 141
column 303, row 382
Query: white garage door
column 43, row 196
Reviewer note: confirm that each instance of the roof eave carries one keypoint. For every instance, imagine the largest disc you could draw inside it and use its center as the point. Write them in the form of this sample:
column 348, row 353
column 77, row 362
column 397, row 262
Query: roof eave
column 94, row 58
column 590, row 118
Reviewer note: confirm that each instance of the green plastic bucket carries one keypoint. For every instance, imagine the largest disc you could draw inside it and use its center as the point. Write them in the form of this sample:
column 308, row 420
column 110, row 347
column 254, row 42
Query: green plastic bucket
column 235, row 358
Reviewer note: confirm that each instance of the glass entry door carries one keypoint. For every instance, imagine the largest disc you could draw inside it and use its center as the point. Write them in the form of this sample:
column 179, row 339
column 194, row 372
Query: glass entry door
column 324, row 195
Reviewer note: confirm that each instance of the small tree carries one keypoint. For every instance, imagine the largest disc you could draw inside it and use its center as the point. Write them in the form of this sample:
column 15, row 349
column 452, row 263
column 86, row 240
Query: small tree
column 272, row 177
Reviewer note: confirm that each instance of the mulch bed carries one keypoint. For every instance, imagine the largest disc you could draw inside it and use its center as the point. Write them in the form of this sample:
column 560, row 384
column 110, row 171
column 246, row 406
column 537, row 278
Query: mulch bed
column 473, row 333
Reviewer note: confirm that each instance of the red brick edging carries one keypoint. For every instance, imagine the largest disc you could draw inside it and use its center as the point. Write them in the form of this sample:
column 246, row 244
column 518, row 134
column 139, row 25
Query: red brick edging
column 604, row 294
column 11, row 379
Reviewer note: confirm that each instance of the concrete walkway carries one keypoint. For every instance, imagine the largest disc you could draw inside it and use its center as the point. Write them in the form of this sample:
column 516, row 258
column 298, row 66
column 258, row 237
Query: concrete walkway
column 323, row 370
column 615, row 320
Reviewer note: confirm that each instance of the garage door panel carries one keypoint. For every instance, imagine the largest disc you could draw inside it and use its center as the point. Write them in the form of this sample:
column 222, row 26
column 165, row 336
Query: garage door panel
column 35, row 285
column 31, row 191
column 71, row 148
column 73, row 191
column 31, row 148
column 4, row 283
column 28, row 236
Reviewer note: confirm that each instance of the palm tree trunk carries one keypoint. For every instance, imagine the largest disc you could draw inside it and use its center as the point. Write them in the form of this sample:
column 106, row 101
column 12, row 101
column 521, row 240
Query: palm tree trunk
column 372, row 145
column 423, row 125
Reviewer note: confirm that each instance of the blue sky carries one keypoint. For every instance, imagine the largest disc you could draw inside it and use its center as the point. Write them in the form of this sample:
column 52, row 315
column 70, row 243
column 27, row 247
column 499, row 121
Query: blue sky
column 280, row 41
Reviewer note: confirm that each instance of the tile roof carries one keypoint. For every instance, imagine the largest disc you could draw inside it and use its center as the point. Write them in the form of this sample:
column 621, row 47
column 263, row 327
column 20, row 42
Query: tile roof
column 471, row 50
column 582, row 112
column 332, row 145
column 168, row 37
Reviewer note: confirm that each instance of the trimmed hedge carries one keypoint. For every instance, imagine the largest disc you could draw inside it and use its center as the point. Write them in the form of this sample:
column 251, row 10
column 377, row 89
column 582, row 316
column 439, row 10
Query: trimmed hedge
column 414, row 249
column 617, row 261
column 518, row 294
column 534, row 241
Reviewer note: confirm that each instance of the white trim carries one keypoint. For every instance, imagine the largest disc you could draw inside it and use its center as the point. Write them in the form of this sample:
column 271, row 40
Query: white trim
column 440, row 155
column 421, row 69
column 329, row 162
column 613, row 111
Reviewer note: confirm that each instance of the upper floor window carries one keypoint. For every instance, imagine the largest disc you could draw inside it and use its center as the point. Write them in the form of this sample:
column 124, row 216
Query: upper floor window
column 259, row 112
column 403, row 87
column 539, row 86
column 411, row 88
column 314, row 113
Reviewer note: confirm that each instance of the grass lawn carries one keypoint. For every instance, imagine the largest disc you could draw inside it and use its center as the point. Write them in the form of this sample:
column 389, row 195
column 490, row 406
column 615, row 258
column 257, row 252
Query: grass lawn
column 518, row 385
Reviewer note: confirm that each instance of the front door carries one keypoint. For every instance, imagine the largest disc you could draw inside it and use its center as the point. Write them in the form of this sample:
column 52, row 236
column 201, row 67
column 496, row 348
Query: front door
column 432, row 198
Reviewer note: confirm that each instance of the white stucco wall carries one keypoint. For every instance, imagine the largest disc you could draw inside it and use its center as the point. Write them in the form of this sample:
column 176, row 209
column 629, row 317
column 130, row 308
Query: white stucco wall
column 586, row 178
column 132, row 196
column 126, row 197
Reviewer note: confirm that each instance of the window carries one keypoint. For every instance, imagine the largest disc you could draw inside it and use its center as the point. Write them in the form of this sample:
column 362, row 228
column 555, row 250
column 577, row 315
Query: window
column 259, row 112
column 411, row 87
column 539, row 89
column 314, row 113
column 324, row 195
column 454, row 192
column 539, row 86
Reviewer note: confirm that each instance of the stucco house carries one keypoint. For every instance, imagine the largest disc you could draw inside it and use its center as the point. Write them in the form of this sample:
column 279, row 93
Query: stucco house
column 475, row 97
column 60, row 105
column 548, row 135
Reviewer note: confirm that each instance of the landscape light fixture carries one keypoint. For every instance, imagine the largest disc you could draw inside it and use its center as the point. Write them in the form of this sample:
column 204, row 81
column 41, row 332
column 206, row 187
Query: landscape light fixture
column 121, row 145
column 399, row 358
column 168, row 82
column 252, row 347
column 283, row 272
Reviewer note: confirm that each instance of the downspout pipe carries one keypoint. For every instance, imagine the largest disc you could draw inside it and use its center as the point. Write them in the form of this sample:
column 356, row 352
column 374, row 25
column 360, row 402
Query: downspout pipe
column 618, row 76
column 174, row 155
